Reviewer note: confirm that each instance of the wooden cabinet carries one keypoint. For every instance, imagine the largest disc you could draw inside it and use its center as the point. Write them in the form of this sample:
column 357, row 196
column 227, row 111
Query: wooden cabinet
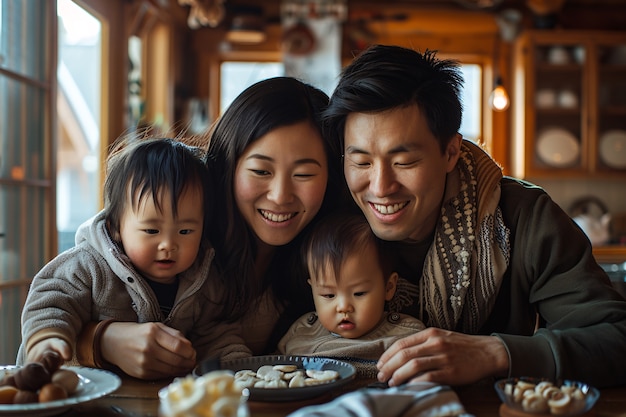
column 569, row 104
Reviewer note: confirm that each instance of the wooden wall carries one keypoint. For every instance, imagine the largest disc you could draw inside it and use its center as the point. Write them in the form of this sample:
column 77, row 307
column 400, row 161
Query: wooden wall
column 188, row 65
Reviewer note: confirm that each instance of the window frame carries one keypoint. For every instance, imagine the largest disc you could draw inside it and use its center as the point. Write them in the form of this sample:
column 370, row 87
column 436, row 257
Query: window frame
column 215, row 72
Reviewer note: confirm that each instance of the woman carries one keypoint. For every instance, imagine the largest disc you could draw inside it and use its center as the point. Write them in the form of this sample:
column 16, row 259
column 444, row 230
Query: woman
column 274, row 174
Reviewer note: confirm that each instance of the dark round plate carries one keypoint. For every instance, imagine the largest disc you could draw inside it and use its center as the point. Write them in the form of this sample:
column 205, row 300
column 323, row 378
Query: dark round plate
column 346, row 374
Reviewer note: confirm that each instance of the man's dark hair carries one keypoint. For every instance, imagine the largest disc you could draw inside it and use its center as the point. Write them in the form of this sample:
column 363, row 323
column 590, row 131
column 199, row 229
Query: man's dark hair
column 385, row 77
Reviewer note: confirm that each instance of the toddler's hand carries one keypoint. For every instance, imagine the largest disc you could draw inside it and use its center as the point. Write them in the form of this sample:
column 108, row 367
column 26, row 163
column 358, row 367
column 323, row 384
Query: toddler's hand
column 147, row 350
column 60, row 346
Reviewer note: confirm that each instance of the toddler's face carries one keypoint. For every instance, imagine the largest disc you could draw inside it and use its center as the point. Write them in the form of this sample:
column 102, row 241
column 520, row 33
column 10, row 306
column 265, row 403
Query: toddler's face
column 159, row 245
column 353, row 306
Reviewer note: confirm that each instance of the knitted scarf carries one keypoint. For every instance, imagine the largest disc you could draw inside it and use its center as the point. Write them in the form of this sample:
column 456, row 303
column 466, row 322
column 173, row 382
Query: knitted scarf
column 464, row 266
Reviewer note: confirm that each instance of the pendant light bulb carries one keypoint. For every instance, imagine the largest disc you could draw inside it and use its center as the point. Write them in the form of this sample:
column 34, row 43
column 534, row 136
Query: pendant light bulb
column 499, row 98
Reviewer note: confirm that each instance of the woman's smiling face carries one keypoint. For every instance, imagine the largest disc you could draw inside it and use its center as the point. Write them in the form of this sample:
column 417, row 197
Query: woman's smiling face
column 280, row 181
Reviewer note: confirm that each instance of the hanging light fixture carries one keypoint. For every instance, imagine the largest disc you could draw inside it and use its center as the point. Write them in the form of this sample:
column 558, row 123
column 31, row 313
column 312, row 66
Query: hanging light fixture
column 499, row 98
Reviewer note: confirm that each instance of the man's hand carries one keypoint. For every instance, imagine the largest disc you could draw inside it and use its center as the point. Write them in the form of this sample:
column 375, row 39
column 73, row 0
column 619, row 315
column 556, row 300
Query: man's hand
column 444, row 357
column 60, row 346
column 147, row 350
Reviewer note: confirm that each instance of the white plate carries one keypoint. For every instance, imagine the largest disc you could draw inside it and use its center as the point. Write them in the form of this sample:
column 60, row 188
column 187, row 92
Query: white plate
column 613, row 148
column 557, row 147
column 346, row 371
column 92, row 384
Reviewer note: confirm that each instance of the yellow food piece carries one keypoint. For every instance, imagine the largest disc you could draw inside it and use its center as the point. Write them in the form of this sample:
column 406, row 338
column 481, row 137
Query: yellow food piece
column 211, row 395
column 7, row 393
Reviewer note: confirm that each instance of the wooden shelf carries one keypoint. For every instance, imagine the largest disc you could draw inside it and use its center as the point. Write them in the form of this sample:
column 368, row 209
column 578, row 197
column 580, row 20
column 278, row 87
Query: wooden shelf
column 586, row 70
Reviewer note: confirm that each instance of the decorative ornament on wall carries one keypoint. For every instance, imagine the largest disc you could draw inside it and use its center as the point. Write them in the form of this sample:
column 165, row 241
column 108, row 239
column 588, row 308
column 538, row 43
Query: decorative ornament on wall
column 311, row 40
column 204, row 12
column 509, row 23
column 298, row 39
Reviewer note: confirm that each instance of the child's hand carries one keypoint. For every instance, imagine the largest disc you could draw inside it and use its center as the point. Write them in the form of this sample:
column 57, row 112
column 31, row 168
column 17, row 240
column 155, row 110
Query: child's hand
column 147, row 350
column 60, row 346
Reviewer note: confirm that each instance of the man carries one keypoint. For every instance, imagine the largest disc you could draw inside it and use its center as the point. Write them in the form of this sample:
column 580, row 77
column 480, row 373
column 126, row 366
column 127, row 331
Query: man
column 503, row 278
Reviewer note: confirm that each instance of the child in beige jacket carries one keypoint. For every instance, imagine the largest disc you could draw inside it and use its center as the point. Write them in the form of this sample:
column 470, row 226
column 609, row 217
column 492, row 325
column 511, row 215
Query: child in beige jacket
column 352, row 280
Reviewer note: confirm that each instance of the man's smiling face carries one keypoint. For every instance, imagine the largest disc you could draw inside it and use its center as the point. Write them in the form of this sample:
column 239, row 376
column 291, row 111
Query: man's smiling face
column 396, row 171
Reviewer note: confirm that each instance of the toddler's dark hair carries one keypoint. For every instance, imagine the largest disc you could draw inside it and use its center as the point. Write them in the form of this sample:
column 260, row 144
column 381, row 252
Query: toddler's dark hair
column 337, row 236
column 142, row 167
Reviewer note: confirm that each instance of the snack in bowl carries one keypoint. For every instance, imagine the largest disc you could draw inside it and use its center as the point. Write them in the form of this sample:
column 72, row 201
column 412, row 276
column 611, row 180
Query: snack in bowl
column 211, row 395
column 316, row 366
column 536, row 396
column 283, row 376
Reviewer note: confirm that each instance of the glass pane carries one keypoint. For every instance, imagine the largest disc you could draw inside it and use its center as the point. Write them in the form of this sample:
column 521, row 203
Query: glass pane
column 237, row 76
column 471, row 99
column 23, row 143
column 22, row 216
column 611, row 126
column 78, row 108
column 25, row 147
column 10, row 302
column 560, row 128
column 23, row 37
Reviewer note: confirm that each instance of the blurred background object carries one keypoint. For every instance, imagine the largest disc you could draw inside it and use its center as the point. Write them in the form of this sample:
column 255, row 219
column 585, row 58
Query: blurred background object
column 593, row 216
column 545, row 12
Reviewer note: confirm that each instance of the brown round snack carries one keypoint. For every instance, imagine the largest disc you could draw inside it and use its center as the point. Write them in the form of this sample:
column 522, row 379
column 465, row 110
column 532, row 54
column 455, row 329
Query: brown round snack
column 7, row 393
column 31, row 377
column 8, row 379
column 66, row 379
column 25, row 397
column 51, row 361
column 51, row 392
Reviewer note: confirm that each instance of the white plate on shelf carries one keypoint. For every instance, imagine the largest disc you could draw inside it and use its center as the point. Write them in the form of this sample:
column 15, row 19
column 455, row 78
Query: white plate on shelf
column 613, row 148
column 92, row 384
column 558, row 147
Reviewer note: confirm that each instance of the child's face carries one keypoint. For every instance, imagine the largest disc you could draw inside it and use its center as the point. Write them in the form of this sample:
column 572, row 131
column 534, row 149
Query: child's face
column 355, row 305
column 159, row 245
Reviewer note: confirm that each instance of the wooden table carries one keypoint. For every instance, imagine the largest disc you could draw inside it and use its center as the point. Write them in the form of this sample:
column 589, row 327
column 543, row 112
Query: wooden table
column 137, row 398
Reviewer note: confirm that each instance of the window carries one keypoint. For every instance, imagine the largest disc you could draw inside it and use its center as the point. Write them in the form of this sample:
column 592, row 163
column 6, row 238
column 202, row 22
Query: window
column 471, row 98
column 28, row 163
column 27, row 200
column 237, row 76
column 78, row 120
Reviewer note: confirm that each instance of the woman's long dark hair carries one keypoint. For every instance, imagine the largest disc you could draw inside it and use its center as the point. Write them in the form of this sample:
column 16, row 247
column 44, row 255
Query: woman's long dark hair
column 261, row 108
